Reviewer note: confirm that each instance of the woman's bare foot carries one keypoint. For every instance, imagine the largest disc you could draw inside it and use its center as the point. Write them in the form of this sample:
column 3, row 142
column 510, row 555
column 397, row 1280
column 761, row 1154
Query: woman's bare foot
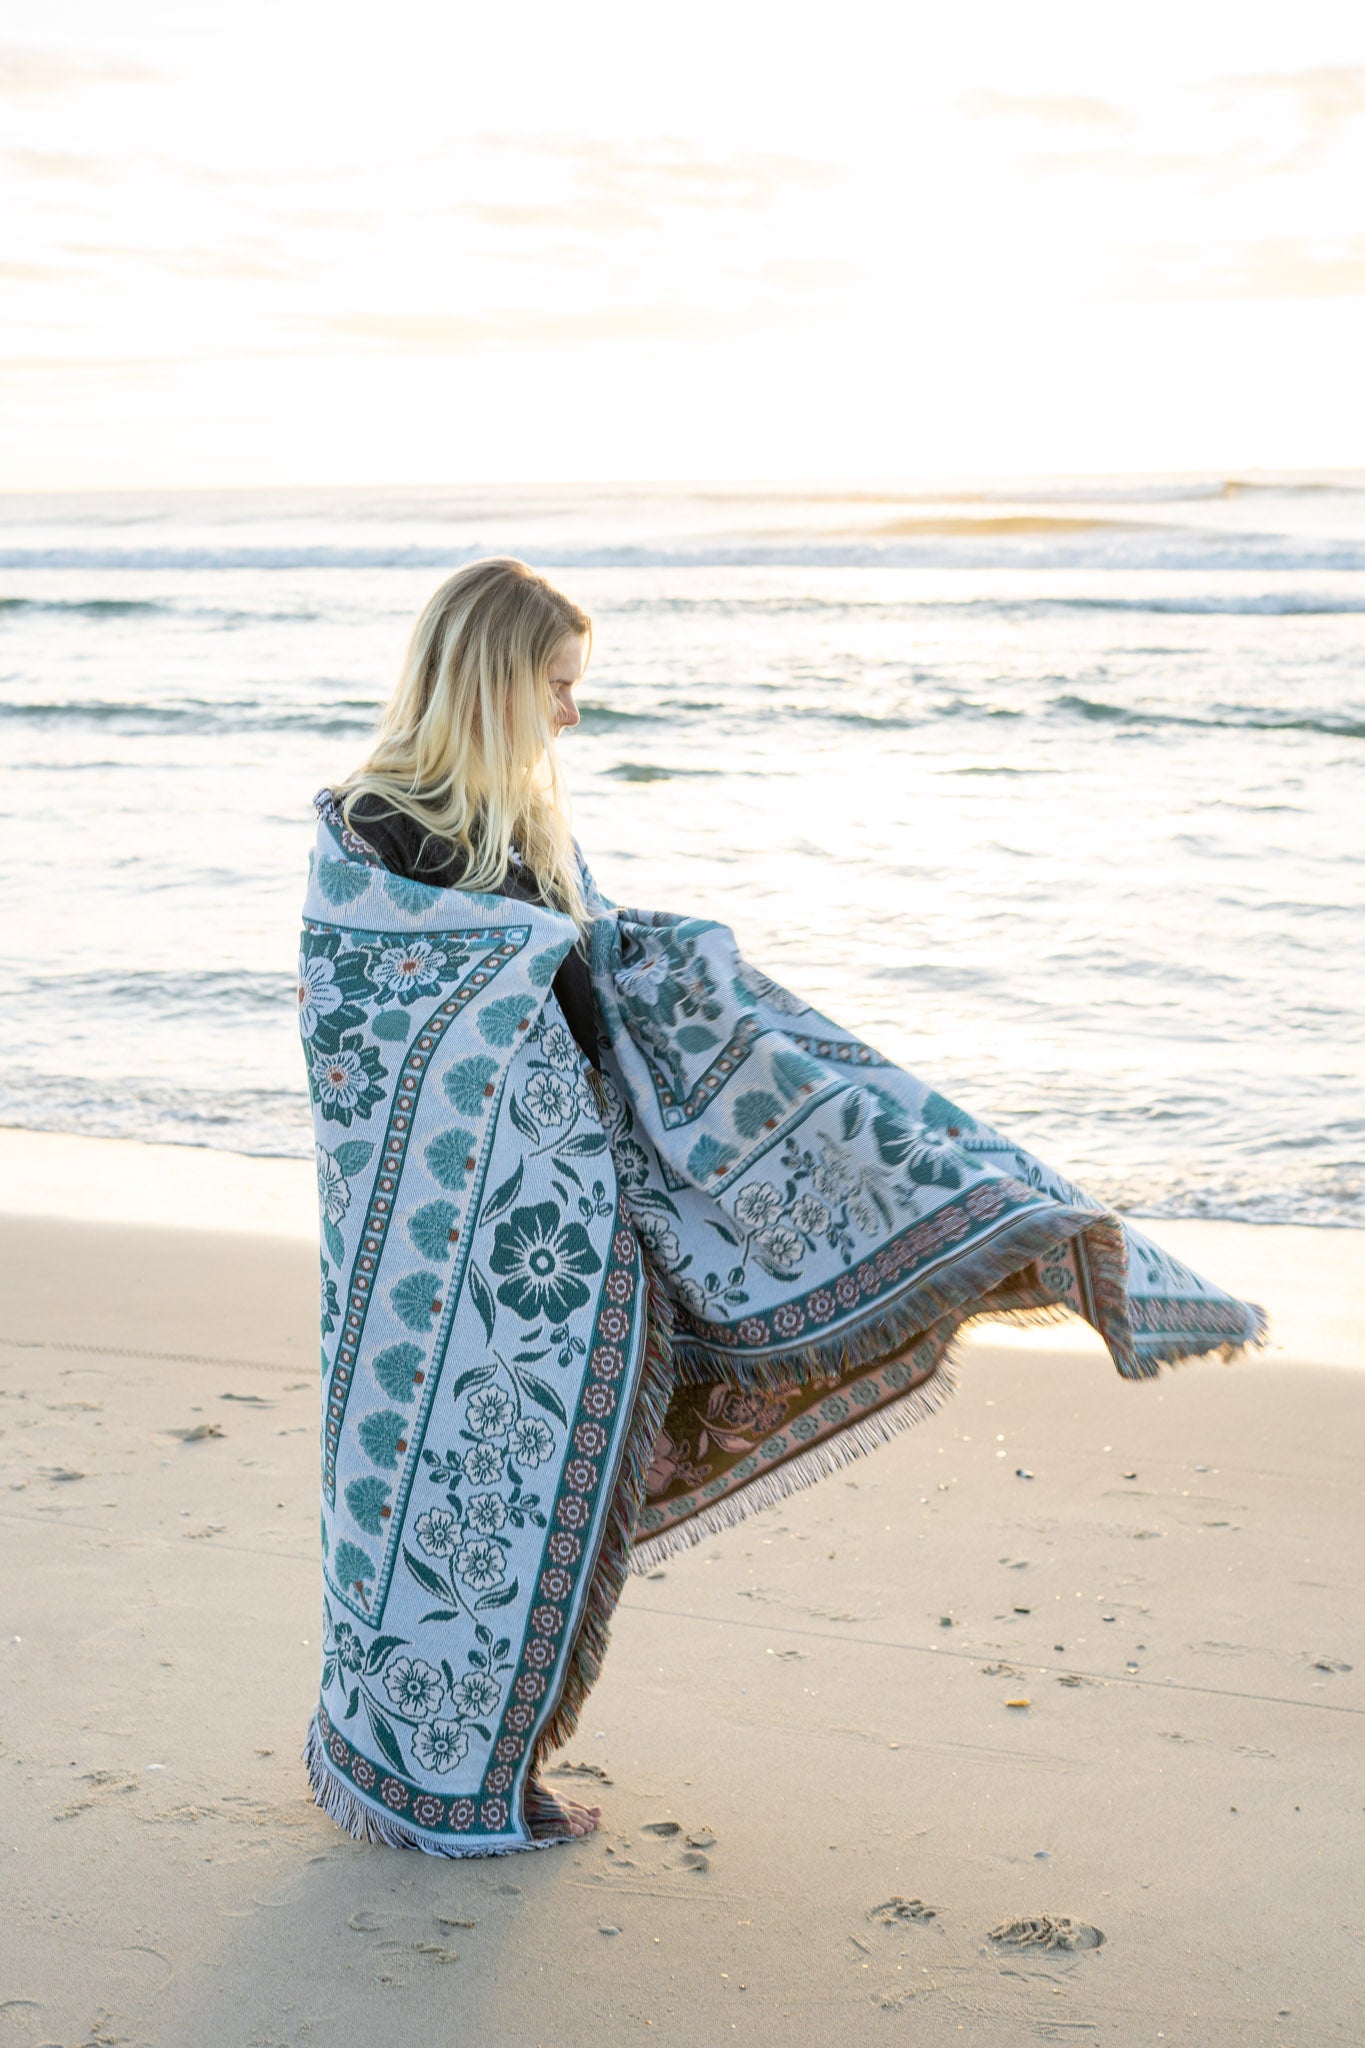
column 555, row 1818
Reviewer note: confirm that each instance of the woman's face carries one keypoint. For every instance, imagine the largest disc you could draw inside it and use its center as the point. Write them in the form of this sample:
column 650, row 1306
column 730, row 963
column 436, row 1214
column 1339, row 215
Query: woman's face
column 565, row 671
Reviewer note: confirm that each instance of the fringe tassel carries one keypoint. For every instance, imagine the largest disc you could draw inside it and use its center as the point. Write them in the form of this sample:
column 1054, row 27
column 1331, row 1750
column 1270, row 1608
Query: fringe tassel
column 967, row 1277
column 360, row 1820
column 1102, row 1252
column 808, row 1466
column 614, row 1559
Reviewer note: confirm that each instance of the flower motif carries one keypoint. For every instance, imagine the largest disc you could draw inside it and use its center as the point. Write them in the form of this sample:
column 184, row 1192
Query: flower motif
column 414, row 1686
column 483, row 1465
column 318, row 994
column 549, row 1098
column 559, row 1048
column 476, row 1694
column 531, row 1442
column 810, row 1215
column 658, row 1236
column 631, row 1162
column 437, row 1532
column 692, row 1295
column 542, row 1262
column 481, row 1564
column 779, row 1247
column 486, row 1513
column 489, row 1412
column 406, row 970
column 347, row 1082
column 832, row 1178
column 334, row 1190
column 440, row 1745
column 350, row 1651
column 757, row 1205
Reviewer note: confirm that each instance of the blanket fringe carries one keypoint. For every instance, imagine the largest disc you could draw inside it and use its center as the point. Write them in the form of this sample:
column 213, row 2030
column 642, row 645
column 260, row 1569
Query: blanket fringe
column 360, row 1820
column 808, row 1466
column 961, row 1293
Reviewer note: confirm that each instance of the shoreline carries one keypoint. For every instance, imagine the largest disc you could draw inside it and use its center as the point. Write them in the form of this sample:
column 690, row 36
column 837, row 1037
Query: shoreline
column 1310, row 1278
column 825, row 1698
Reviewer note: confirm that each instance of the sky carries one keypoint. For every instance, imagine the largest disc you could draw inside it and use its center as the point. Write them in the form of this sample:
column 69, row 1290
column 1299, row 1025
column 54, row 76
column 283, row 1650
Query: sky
column 254, row 244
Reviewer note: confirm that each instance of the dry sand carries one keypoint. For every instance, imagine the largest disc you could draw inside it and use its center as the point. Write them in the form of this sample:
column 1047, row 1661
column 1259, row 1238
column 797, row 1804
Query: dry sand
column 1165, row 1573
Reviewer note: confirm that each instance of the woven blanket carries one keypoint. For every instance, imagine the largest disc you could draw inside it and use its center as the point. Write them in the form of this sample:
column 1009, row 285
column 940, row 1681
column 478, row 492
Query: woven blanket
column 571, row 1321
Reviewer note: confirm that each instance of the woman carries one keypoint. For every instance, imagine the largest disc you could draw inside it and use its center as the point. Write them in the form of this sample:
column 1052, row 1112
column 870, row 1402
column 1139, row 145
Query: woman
column 620, row 1240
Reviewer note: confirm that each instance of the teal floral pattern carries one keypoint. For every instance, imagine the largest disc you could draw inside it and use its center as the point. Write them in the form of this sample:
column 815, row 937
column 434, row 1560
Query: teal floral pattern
column 545, row 1263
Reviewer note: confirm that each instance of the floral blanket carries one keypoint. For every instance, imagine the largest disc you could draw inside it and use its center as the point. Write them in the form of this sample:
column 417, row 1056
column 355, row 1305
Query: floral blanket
column 570, row 1321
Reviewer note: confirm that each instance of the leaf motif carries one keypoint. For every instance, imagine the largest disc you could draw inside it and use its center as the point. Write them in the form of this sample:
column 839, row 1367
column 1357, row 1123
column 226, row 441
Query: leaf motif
column 352, row 1703
column 476, row 1375
column 541, row 968
column 852, row 1114
column 365, row 1498
column 352, row 1154
column 414, row 1298
column 352, row 1565
column 384, row 1735
column 333, row 1238
column 502, row 1198
column 504, row 1597
column 448, row 1155
column 443, row 1614
column 695, row 1038
column 752, row 1111
column 499, row 1021
column 431, row 1581
column 544, row 1396
column 378, row 1652
column 482, row 1295
column 526, row 1124
column 430, row 1228
column 583, row 1146
column 380, row 1435
column 394, row 1367
column 392, row 1024
column 413, row 897
column 342, row 881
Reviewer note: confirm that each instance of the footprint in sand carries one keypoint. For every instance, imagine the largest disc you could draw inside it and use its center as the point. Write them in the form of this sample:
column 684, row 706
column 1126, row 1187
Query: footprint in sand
column 580, row 1771
column 662, row 1827
column 1049, row 1930
column 891, row 1911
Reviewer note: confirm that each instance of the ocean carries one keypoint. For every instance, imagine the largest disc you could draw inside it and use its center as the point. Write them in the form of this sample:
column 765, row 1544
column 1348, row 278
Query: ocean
column 1052, row 792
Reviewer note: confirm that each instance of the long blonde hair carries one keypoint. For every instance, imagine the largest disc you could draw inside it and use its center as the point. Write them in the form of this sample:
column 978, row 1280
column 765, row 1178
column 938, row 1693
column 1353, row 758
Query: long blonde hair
column 466, row 743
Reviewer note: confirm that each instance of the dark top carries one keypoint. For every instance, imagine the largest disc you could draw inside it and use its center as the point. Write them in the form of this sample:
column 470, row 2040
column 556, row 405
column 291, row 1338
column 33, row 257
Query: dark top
column 397, row 839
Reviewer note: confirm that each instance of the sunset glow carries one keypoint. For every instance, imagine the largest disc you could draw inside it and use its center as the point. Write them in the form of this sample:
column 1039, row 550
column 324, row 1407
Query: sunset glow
column 276, row 245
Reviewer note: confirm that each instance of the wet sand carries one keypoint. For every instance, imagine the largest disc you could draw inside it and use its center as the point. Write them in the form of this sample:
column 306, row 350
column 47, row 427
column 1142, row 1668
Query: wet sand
column 820, row 1801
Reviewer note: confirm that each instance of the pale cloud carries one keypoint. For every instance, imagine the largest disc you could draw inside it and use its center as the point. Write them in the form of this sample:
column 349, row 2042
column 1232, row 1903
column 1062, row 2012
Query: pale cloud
column 56, row 166
column 1057, row 110
column 538, row 330
column 601, row 188
column 38, row 74
column 1276, row 267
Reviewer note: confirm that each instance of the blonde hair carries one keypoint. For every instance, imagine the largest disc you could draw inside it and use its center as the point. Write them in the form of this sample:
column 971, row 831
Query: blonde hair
column 466, row 741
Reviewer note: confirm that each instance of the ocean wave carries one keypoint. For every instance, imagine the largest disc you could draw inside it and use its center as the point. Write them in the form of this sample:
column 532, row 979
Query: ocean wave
column 328, row 721
column 1337, row 725
column 1192, row 550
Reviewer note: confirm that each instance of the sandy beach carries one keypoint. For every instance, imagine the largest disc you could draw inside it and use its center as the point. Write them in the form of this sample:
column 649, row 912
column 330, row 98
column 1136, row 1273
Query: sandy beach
column 820, row 1798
